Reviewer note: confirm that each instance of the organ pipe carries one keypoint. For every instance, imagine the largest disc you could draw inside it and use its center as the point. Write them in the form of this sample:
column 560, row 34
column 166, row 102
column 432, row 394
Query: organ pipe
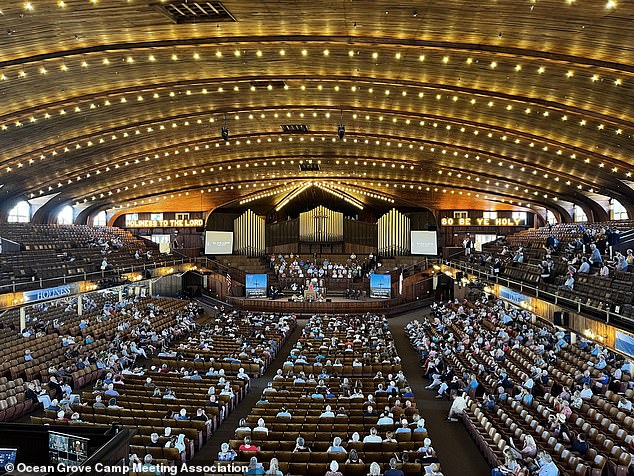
column 321, row 224
column 249, row 235
column 394, row 233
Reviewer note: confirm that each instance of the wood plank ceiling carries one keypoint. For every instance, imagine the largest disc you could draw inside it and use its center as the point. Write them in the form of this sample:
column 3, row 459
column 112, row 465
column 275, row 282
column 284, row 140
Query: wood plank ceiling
column 446, row 104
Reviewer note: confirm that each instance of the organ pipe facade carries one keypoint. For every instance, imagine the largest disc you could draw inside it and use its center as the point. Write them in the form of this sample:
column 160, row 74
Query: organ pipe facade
column 394, row 237
column 321, row 224
column 249, row 234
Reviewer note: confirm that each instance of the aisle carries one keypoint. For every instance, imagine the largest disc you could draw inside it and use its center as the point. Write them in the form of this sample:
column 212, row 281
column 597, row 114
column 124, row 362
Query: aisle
column 457, row 452
column 208, row 452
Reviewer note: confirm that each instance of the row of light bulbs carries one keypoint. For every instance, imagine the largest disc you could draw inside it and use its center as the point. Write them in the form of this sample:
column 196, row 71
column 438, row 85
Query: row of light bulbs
column 167, row 153
column 472, row 99
column 29, row 7
column 274, row 163
column 237, row 164
column 237, row 116
column 156, row 55
column 161, row 127
column 246, row 186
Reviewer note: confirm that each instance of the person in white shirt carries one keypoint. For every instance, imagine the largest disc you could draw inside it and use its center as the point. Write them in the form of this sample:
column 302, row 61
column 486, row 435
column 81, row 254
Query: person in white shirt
column 373, row 437
column 457, row 407
column 625, row 405
column 327, row 413
column 261, row 428
column 586, row 393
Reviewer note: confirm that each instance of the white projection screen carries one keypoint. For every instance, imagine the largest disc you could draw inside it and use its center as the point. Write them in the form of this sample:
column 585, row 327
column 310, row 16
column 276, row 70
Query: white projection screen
column 424, row 243
column 218, row 242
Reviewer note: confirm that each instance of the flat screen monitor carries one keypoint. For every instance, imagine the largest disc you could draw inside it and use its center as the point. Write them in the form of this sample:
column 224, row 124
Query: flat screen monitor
column 218, row 242
column 7, row 456
column 424, row 243
column 67, row 449
column 256, row 285
column 380, row 286
column 625, row 343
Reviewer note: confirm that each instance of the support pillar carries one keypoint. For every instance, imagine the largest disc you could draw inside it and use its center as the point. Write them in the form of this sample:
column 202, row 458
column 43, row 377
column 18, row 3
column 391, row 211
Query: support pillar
column 22, row 318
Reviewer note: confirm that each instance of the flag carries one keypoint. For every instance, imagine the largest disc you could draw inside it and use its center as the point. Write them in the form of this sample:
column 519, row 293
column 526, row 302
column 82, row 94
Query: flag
column 229, row 282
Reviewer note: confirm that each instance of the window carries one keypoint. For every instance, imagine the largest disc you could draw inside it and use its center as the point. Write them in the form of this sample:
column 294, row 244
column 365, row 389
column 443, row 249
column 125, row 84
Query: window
column 482, row 239
column 156, row 216
column 519, row 216
column 99, row 219
column 618, row 211
column 131, row 217
column 457, row 215
column 550, row 217
column 490, row 215
column 164, row 242
column 65, row 217
column 579, row 215
column 21, row 213
column 182, row 216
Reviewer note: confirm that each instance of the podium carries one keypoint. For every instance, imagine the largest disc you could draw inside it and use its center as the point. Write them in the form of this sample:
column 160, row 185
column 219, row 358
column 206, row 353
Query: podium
column 310, row 295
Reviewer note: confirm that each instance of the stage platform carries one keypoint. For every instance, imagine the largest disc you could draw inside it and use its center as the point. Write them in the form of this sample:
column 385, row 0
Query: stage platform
column 337, row 305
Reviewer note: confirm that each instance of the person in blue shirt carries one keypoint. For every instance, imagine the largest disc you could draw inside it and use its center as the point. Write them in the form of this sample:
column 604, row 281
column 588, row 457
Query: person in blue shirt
column 420, row 426
column 595, row 256
column 408, row 393
column 254, row 467
column 601, row 364
column 392, row 387
column 546, row 465
column 336, row 446
column 283, row 413
column 385, row 420
column 489, row 402
column 404, row 428
column 393, row 471
column 226, row 453
column 585, row 266
column 580, row 445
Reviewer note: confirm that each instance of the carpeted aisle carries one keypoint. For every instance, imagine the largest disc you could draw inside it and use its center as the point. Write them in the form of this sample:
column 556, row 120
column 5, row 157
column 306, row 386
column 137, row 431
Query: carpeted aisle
column 457, row 452
column 207, row 454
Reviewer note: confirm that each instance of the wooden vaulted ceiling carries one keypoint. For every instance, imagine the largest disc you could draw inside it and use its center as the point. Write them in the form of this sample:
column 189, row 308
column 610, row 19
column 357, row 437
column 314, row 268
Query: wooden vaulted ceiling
column 446, row 104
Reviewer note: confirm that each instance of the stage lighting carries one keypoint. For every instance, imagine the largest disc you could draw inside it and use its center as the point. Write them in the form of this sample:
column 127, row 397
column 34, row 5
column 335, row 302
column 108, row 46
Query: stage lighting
column 224, row 132
column 341, row 131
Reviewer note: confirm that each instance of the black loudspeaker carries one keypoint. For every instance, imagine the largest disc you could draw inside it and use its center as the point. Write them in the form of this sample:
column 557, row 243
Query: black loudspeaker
column 148, row 273
column 561, row 319
column 290, row 300
column 459, row 275
column 432, row 227
column 328, row 300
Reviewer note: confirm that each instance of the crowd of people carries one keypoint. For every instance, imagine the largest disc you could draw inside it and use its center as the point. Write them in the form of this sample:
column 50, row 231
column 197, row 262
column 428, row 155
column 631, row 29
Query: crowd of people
column 382, row 405
column 296, row 266
column 591, row 252
column 494, row 329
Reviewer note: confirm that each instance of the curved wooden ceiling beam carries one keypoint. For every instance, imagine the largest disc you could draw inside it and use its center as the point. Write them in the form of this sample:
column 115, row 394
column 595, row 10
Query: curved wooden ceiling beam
column 607, row 181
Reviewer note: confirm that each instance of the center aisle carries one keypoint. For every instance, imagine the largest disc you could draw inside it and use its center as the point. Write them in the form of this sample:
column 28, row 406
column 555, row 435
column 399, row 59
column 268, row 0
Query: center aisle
column 209, row 451
column 457, row 452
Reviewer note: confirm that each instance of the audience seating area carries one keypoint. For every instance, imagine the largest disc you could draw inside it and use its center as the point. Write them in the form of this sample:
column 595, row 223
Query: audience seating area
column 347, row 366
column 612, row 289
column 49, row 252
column 182, row 394
column 525, row 400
